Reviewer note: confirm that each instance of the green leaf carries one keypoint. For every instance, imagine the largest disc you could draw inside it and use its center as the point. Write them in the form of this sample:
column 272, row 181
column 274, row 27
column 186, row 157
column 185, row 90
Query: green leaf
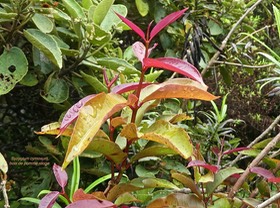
column 43, row 23
column 119, row 189
column 75, row 177
column 101, row 11
column 142, row 7
column 159, row 183
column 277, row 18
column 99, row 181
column 118, row 65
column 48, row 144
column 3, row 164
column 14, row 67
column 170, row 135
column 30, row 79
column 222, row 202
column 46, row 44
column 126, row 198
column 94, row 82
column 55, row 90
column 74, row 9
column 220, row 177
column 98, row 36
column 215, row 29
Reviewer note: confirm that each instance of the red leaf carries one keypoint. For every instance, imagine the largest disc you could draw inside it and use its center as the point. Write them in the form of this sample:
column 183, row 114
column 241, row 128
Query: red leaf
column 122, row 88
column 166, row 21
column 235, row 150
column 199, row 163
column 92, row 203
column 216, row 150
column 176, row 65
column 134, row 27
column 262, row 172
column 274, row 180
column 60, row 175
column 81, row 195
column 48, row 200
column 72, row 113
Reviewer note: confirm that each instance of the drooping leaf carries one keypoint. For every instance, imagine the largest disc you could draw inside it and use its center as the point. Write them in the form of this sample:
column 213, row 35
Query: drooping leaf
column 176, row 65
column 46, row 44
column 166, row 21
column 170, row 135
column 221, row 176
column 176, row 88
column 43, row 23
column 101, row 11
column 73, row 113
column 122, row 88
column 60, row 175
column 14, row 67
column 48, row 200
column 134, row 27
column 3, row 164
column 142, row 7
column 262, row 172
column 159, row 183
column 91, row 117
column 91, row 203
column 177, row 200
column 199, row 163
column 74, row 9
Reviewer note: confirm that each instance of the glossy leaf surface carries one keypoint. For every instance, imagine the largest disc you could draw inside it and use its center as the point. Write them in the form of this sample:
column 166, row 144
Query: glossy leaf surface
column 48, row 200
column 60, row 176
column 170, row 135
column 91, row 117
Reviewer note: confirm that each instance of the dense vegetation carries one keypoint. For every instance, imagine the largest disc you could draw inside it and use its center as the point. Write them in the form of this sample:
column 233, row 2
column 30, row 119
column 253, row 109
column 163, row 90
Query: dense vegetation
column 155, row 103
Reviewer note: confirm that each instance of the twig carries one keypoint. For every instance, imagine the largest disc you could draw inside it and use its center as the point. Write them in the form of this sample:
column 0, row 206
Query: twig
column 243, row 65
column 217, row 54
column 272, row 125
column 269, row 201
column 4, row 191
column 254, row 163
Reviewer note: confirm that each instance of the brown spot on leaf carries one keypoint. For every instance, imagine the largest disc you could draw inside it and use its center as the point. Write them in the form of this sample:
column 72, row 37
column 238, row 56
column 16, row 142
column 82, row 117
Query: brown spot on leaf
column 12, row 68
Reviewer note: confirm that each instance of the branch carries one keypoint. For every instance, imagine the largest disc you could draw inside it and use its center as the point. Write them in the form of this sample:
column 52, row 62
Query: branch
column 269, row 201
column 254, row 163
column 4, row 191
column 217, row 54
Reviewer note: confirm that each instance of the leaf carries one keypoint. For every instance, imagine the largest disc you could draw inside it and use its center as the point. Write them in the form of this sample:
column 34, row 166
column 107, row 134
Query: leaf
column 277, row 18
column 166, row 21
column 43, row 23
column 130, row 132
column 55, row 90
column 101, row 11
column 74, row 9
column 47, row 143
column 122, row 88
column 199, row 163
column 139, row 50
column 142, row 7
column 60, row 176
column 91, row 203
column 159, row 183
column 215, row 29
column 120, row 189
column 221, row 176
column 262, row 172
column 49, row 200
column 134, row 27
column 37, row 201
column 54, row 129
column 176, row 88
column 238, row 149
column 81, row 195
column 126, row 198
column 14, row 67
column 73, row 113
column 222, row 202
column 170, row 135
column 3, row 164
column 176, row 65
column 98, row 36
column 94, row 82
column 46, row 44
column 177, row 200
column 91, row 117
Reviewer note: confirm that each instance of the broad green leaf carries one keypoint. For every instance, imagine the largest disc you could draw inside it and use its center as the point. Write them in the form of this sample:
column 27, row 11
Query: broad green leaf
column 42, row 62
column 60, row 15
column 159, row 183
column 220, row 177
column 14, row 67
column 126, row 198
column 54, row 129
column 111, row 19
column 176, row 88
column 141, row 171
column 94, row 82
column 91, row 117
column 142, row 7
column 151, row 77
column 55, row 90
column 74, row 9
column 222, row 202
column 43, row 23
column 118, row 65
column 170, row 135
column 3, row 164
column 264, row 188
column 7, row 16
column 101, row 11
column 177, row 200
column 215, row 29
column 30, row 79
column 120, row 189
column 46, row 44
column 87, row 4
column 156, row 150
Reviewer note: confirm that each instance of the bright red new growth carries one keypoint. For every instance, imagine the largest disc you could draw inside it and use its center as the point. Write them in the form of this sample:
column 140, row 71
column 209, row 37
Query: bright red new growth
column 199, row 163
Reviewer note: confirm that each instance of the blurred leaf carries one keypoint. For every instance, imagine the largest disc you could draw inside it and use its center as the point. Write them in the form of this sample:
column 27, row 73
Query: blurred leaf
column 49, row 200
column 159, row 183
column 180, row 117
column 101, row 11
column 277, row 18
column 42, row 61
column 215, row 29
column 251, row 202
column 74, row 9
column 60, row 176
column 122, row 88
column 142, row 7
column 94, row 82
column 126, row 198
column 120, row 189
column 81, row 195
column 98, row 36
column 3, row 164
column 151, row 77
column 47, row 143
column 263, row 188
column 91, row 203
column 37, row 201
column 30, row 79
column 46, row 44
column 14, row 67
column 43, row 23
column 222, row 202
column 141, row 171
column 54, row 129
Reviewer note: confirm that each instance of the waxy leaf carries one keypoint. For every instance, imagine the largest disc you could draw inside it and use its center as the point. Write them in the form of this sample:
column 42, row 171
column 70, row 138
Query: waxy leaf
column 73, row 113
column 170, row 135
column 92, row 203
column 166, row 21
column 199, row 163
column 91, row 117
column 175, row 65
column 176, row 88
column 60, row 176
column 74, row 9
column 101, row 11
column 46, row 44
column 262, row 172
column 122, row 88
column 48, row 200
column 3, row 164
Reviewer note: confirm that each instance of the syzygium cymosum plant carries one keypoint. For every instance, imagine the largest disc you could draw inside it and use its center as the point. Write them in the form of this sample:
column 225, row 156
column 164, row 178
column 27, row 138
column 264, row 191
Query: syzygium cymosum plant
column 83, row 122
